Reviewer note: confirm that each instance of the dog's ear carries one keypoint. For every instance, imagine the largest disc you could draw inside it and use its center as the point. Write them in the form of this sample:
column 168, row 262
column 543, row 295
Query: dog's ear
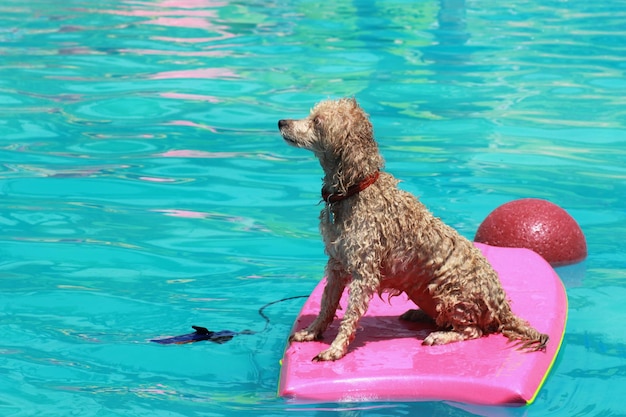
column 318, row 120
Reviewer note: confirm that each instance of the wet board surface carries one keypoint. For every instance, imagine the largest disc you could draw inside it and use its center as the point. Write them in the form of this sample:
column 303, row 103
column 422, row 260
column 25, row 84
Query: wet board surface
column 387, row 362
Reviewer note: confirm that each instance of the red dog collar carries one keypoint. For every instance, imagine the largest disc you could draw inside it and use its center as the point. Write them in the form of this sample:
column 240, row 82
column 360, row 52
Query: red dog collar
column 356, row 188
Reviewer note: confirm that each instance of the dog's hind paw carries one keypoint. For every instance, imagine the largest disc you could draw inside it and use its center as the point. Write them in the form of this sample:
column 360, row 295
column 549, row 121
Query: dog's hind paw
column 443, row 338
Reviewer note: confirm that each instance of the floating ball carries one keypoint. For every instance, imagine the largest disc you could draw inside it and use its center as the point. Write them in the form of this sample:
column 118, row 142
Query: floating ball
column 538, row 225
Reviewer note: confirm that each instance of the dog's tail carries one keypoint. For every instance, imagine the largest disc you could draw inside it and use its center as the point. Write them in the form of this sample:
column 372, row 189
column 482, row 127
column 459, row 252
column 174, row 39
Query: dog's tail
column 524, row 335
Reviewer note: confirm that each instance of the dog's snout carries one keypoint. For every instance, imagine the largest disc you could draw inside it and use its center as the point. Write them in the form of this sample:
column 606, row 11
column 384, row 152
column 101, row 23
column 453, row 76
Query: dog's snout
column 282, row 123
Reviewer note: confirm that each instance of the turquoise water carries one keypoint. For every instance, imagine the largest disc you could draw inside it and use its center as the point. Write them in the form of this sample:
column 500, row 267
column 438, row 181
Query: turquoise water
column 144, row 186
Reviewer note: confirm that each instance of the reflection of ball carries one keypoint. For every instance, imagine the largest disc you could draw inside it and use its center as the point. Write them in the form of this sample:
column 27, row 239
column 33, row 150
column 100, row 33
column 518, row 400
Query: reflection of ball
column 538, row 225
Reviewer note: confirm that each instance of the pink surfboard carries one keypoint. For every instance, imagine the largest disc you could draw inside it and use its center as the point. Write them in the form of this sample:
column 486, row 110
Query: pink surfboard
column 387, row 362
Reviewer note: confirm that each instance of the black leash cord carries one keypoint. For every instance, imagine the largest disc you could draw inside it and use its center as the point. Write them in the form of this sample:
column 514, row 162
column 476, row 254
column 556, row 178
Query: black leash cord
column 267, row 319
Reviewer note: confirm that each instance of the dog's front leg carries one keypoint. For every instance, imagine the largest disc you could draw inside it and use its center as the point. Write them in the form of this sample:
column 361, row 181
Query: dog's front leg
column 361, row 292
column 336, row 280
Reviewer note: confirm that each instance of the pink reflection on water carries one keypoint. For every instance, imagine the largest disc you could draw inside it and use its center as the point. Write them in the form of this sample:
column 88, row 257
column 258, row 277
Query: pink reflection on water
column 183, row 213
column 156, row 179
column 188, row 153
column 192, row 214
column 188, row 14
column 205, row 39
column 191, row 4
column 195, row 73
column 184, row 22
column 197, row 97
column 191, row 124
column 169, row 13
column 151, row 12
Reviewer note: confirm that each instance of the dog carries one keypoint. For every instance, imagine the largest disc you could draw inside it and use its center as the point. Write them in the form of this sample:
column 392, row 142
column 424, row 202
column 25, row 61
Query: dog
column 379, row 238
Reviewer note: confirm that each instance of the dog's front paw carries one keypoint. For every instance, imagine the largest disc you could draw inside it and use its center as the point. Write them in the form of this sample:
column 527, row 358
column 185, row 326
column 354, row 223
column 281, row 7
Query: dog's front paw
column 330, row 354
column 305, row 336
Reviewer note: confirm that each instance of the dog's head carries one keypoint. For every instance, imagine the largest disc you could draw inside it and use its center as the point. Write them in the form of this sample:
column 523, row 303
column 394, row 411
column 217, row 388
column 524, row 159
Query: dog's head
column 341, row 136
column 332, row 126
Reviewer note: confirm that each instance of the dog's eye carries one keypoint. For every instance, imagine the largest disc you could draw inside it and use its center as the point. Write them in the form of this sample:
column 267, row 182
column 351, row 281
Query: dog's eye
column 317, row 121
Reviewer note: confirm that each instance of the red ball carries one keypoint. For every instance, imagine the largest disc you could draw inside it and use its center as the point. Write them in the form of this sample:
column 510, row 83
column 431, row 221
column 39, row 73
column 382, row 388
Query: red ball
column 538, row 225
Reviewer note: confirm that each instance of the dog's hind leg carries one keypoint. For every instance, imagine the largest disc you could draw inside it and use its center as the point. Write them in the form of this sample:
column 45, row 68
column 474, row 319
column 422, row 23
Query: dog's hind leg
column 336, row 281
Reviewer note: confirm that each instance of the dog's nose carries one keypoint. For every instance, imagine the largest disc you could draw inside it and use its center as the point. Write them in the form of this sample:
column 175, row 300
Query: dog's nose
column 282, row 123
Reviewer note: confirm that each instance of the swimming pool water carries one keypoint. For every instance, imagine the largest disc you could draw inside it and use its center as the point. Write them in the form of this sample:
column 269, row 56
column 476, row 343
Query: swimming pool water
column 144, row 186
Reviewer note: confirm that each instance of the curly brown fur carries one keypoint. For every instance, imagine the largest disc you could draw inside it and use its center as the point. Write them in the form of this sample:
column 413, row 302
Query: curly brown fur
column 384, row 239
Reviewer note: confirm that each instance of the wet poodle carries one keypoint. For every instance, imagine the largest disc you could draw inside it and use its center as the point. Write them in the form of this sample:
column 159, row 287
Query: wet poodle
column 379, row 238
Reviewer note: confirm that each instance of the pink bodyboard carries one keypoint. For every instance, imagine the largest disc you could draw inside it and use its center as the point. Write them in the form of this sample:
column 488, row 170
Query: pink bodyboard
column 387, row 362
